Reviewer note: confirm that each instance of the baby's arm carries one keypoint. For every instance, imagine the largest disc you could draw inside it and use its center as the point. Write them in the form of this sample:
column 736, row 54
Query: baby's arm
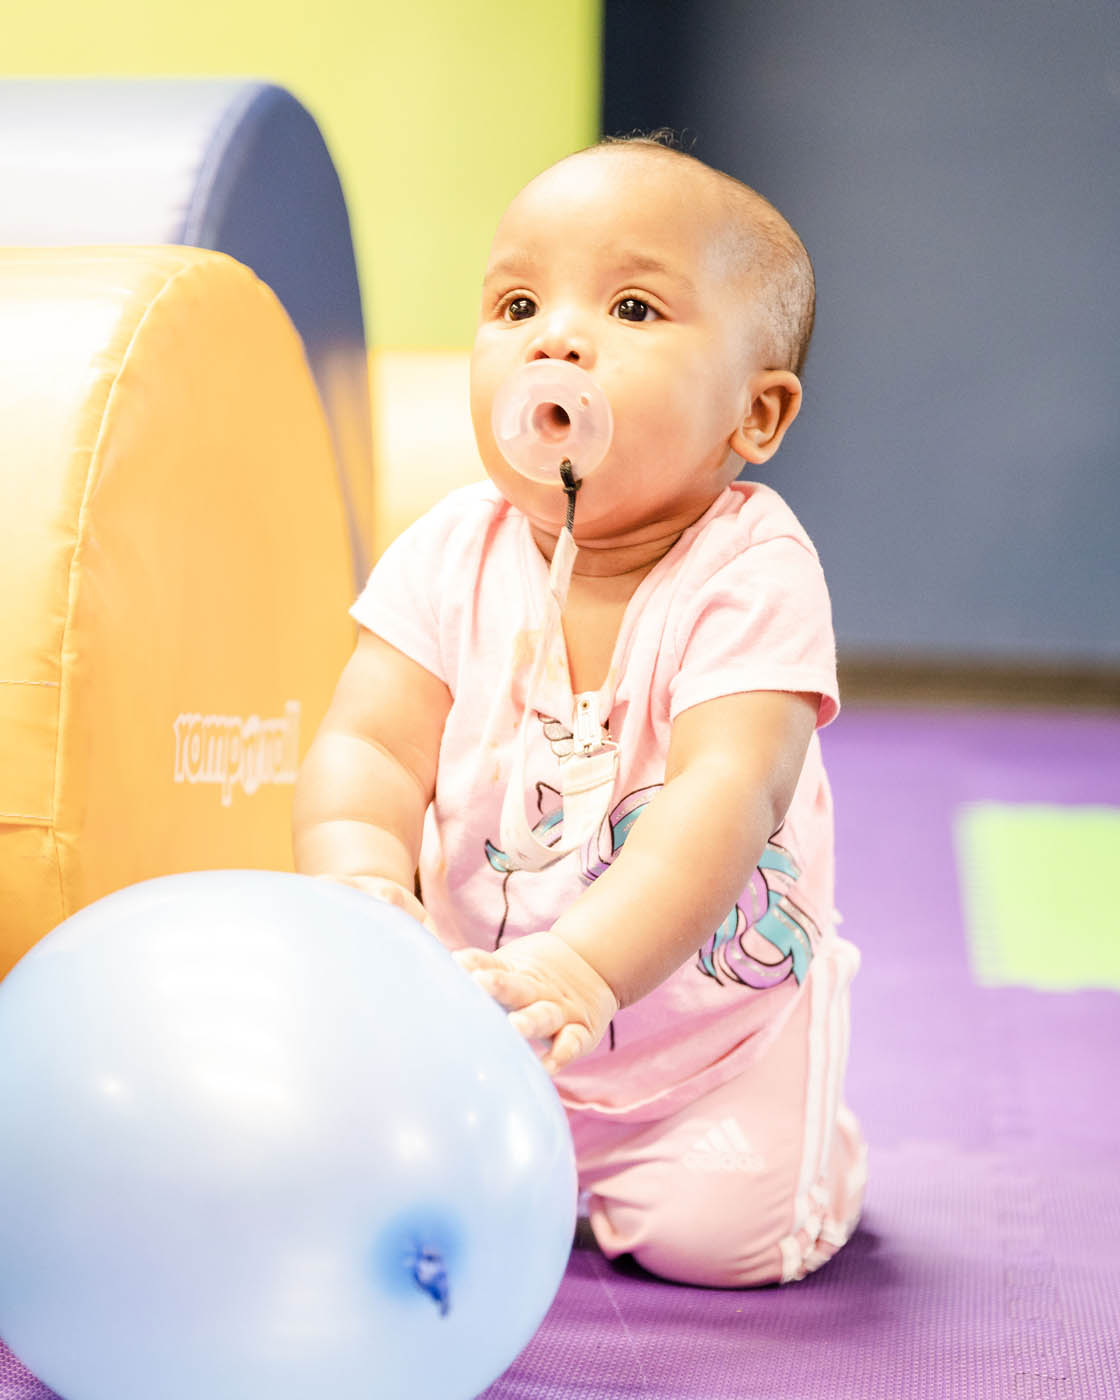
column 732, row 768
column 370, row 773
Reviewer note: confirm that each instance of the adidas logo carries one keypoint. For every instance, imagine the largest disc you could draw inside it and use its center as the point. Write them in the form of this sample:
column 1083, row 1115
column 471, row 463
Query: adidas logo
column 724, row 1147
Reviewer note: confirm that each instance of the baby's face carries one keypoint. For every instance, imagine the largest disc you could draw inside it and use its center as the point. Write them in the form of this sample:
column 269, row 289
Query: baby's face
column 619, row 261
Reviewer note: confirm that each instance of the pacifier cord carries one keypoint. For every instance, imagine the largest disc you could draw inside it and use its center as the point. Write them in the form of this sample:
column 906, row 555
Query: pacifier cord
column 588, row 773
column 572, row 483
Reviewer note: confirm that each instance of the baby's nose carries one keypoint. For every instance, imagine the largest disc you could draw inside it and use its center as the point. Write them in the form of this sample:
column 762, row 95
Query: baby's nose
column 562, row 338
column 571, row 354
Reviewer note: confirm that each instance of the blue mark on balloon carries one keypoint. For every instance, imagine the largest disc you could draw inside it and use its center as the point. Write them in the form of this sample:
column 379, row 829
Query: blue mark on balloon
column 430, row 1274
column 417, row 1254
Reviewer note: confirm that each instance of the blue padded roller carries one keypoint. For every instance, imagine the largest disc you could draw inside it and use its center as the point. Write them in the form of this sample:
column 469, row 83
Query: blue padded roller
column 228, row 164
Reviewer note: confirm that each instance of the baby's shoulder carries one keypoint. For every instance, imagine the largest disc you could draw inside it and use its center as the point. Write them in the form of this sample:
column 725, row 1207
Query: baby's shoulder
column 747, row 516
column 467, row 507
column 455, row 525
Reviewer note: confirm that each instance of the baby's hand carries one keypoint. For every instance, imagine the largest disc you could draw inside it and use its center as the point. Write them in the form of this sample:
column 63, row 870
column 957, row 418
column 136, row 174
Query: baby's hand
column 389, row 891
column 551, row 993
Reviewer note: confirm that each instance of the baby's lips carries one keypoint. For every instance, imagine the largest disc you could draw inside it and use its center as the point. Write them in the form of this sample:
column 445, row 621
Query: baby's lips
column 548, row 412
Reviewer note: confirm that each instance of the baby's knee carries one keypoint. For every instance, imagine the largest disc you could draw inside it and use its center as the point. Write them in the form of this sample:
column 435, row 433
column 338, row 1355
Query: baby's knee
column 684, row 1240
column 734, row 1224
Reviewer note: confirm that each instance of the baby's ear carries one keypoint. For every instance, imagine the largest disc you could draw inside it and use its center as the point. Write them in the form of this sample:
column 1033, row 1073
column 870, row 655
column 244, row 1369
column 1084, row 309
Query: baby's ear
column 775, row 401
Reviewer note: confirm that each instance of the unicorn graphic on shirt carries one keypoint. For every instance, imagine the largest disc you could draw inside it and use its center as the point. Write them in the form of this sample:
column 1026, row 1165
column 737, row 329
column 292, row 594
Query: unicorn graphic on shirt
column 547, row 830
column 765, row 938
column 742, row 948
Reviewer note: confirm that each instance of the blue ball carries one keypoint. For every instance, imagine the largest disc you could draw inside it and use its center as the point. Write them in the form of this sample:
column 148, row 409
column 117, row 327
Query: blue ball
column 262, row 1138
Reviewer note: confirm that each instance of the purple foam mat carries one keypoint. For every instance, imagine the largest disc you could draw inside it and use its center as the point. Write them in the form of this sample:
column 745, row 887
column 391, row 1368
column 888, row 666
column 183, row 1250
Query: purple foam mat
column 988, row 1261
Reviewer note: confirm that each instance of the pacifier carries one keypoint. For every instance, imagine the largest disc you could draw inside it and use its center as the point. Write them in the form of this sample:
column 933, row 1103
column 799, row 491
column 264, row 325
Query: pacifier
column 549, row 412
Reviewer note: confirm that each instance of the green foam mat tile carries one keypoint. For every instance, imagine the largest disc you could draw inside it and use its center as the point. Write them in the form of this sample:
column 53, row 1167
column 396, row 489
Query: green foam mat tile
column 1041, row 887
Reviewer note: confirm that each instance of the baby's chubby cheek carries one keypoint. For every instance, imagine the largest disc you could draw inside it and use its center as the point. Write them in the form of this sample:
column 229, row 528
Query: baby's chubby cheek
column 647, row 442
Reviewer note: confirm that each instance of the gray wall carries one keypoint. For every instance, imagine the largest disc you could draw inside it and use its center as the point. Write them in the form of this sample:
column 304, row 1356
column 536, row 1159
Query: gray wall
column 953, row 170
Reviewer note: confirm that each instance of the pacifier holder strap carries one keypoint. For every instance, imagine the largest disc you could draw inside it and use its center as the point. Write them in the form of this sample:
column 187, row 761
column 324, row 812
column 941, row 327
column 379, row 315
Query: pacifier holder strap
column 587, row 775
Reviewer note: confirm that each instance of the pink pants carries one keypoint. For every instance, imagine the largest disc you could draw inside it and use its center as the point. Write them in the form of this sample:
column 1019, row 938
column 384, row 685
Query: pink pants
column 759, row 1181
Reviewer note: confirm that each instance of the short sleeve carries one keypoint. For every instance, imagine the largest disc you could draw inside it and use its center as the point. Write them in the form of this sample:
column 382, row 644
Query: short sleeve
column 399, row 601
column 762, row 621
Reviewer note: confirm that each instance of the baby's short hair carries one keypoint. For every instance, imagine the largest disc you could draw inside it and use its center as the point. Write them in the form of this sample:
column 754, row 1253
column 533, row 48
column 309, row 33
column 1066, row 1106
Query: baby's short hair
column 765, row 245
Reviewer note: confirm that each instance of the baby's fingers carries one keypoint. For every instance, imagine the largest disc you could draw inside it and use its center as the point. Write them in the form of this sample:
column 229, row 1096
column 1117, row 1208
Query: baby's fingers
column 404, row 899
column 540, row 1020
column 512, row 990
column 472, row 959
column 571, row 1041
column 388, row 891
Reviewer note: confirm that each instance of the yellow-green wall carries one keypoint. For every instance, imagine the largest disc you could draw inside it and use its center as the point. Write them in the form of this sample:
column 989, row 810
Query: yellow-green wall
column 435, row 111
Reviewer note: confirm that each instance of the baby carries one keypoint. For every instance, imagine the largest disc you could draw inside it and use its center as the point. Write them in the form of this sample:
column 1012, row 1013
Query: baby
column 611, row 784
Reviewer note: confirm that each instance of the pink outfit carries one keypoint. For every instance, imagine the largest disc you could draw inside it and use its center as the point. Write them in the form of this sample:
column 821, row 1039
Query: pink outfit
column 738, row 604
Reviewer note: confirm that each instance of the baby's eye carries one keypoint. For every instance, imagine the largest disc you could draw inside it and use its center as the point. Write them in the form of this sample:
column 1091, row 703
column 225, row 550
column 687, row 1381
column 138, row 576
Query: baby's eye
column 520, row 309
column 634, row 309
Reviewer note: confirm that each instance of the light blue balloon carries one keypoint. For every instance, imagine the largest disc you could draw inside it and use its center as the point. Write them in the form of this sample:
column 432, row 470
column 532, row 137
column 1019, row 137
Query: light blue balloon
column 261, row 1139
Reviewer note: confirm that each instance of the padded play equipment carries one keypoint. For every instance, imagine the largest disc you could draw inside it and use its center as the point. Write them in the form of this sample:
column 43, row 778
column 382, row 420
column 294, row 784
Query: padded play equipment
column 232, row 165
column 175, row 569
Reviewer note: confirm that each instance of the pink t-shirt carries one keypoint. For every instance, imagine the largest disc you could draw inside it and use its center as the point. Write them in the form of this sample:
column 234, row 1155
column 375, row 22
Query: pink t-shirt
column 738, row 604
